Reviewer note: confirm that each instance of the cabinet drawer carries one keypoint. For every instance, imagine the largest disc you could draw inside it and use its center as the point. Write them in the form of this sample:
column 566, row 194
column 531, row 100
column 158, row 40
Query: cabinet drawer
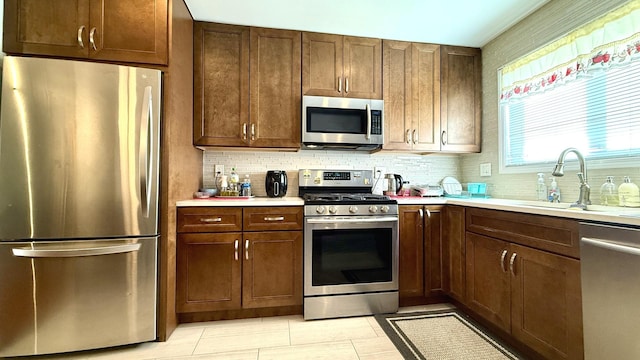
column 268, row 218
column 209, row 219
column 556, row 235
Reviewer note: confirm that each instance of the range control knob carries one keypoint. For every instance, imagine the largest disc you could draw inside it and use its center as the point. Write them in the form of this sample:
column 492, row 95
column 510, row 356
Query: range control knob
column 320, row 209
column 384, row 208
column 373, row 209
column 333, row 209
column 353, row 209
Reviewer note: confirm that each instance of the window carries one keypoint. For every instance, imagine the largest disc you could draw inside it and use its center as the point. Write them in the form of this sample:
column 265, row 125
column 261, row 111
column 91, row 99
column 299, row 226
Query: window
column 580, row 91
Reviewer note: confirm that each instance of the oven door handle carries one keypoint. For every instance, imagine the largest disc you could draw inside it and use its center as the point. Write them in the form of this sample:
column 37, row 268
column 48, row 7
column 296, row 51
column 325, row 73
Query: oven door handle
column 368, row 219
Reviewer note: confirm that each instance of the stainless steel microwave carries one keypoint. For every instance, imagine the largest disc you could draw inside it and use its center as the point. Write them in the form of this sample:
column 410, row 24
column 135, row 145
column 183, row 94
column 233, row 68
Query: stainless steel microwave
column 342, row 123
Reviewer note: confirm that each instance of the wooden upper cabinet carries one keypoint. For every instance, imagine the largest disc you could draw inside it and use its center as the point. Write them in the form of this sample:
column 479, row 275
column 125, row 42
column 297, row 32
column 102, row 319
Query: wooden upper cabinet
column 221, row 84
column 275, row 88
column 233, row 64
column 342, row 66
column 411, row 78
column 118, row 30
column 461, row 99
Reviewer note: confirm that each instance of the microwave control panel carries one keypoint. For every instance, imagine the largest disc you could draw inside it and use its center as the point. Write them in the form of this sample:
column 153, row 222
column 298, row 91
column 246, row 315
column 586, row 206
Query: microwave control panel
column 376, row 122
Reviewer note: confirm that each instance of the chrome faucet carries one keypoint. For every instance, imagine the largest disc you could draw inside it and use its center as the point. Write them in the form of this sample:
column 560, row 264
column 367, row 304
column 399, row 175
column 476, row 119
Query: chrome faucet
column 585, row 190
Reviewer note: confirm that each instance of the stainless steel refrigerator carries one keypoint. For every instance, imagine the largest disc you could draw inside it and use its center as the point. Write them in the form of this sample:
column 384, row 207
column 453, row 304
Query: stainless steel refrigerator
column 79, row 160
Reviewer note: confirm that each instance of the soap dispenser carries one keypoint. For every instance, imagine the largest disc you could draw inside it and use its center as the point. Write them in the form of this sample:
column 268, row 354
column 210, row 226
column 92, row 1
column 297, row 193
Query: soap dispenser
column 628, row 193
column 541, row 189
column 554, row 191
column 609, row 193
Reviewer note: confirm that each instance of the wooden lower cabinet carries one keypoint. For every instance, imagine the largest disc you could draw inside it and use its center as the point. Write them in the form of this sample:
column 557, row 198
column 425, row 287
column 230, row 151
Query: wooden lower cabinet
column 233, row 270
column 420, row 270
column 453, row 251
column 532, row 294
column 272, row 269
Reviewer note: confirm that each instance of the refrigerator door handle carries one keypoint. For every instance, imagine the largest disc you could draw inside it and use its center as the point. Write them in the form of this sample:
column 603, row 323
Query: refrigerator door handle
column 144, row 155
column 77, row 252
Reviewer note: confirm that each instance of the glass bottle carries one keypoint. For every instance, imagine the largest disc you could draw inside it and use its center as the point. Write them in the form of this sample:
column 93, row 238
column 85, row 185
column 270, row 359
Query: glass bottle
column 609, row 193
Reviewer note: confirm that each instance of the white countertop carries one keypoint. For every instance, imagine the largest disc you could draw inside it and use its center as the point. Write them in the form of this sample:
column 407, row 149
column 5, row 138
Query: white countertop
column 254, row 201
column 610, row 214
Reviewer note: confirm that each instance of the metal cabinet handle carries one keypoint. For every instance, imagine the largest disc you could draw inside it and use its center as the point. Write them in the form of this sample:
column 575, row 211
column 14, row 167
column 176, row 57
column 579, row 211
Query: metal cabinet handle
column 274, row 218
column 512, row 264
column 408, row 137
column 236, row 244
column 244, row 131
column 77, row 252
column 428, row 213
column 80, row 32
column 92, row 40
column 210, row 220
column 346, row 85
column 421, row 213
column 340, row 84
column 415, row 136
column 443, row 138
column 502, row 264
column 253, row 132
column 246, row 249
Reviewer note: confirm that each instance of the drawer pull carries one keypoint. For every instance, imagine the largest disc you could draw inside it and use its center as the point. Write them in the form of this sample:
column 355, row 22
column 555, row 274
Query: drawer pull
column 210, row 220
column 502, row 258
column 274, row 218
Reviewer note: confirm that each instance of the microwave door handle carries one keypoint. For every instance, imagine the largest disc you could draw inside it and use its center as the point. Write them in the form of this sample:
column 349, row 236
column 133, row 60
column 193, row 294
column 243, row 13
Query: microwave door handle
column 368, row 108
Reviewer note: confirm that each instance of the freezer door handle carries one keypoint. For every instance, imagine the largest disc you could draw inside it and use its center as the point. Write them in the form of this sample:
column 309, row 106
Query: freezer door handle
column 144, row 155
column 77, row 252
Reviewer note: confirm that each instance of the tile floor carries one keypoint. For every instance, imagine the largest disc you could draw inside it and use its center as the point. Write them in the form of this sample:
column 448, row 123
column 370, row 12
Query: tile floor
column 281, row 338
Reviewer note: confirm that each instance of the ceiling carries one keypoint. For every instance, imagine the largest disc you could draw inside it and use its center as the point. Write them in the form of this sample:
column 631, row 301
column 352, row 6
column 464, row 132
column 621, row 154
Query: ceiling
column 453, row 22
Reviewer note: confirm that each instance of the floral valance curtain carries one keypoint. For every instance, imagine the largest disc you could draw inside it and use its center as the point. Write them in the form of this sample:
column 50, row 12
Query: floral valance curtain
column 610, row 40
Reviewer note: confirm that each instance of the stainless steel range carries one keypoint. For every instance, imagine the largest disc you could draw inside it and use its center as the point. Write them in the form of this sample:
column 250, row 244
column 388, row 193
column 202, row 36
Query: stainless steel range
column 350, row 245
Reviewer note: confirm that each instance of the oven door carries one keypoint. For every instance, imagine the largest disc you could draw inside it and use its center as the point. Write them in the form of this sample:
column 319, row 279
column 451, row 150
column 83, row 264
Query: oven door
column 351, row 254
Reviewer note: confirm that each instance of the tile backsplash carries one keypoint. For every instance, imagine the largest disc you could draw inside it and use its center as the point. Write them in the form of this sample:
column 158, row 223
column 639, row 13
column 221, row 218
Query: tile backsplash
column 417, row 169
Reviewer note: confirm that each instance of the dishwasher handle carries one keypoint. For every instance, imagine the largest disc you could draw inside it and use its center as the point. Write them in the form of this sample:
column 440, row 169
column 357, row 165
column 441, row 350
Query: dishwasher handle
column 77, row 252
column 611, row 246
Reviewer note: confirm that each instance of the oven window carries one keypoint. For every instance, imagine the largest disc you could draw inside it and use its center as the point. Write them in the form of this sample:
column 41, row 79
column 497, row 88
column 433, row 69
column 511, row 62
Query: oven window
column 351, row 256
column 327, row 120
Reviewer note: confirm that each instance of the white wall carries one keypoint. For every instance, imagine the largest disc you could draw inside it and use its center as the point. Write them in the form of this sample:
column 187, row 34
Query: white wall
column 553, row 20
column 417, row 169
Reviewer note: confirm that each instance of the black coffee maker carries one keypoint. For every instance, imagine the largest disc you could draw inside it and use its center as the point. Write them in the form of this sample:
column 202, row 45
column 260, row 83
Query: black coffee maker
column 276, row 183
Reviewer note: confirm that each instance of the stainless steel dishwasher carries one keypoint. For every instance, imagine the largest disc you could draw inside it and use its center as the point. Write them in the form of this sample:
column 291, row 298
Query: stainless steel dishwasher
column 610, row 265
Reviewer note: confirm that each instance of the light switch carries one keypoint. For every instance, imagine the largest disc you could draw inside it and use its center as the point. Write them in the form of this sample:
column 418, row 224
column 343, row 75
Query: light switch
column 485, row 169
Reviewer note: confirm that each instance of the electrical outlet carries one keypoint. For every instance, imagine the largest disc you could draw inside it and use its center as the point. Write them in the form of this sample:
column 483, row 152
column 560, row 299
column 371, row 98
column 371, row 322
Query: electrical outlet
column 485, row 169
column 378, row 171
column 218, row 169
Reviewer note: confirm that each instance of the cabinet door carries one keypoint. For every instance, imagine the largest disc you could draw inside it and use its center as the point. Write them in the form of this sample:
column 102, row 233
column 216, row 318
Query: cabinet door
column 44, row 27
column 453, row 251
column 411, row 251
column 461, row 99
column 275, row 88
column 322, row 64
column 433, row 251
column 396, row 74
column 208, row 272
column 487, row 277
column 425, row 97
column 362, row 67
column 546, row 310
column 129, row 30
column 272, row 269
column 221, row 85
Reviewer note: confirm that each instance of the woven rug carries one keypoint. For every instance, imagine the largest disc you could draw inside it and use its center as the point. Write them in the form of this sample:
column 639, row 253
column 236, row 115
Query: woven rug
column 440, row 335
